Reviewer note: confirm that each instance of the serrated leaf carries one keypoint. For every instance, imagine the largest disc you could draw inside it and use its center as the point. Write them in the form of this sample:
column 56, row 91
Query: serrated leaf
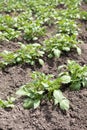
column 65, row 79
column 64, row 104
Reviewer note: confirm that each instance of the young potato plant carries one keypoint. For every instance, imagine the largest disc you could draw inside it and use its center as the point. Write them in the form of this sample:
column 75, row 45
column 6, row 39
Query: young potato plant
column 29, row 27
column 44, row 87
column 83, row 15
column 26, row 54
column 67, row 26
column 47, row 15
column 23, row 25
column 71, row 14
column 12, row 6
column 77, row 73
column 7, row 21
column 73, row 4
column 9, row 103
column 33, row 30
column 9, row 34
column 35, row 5
column 7, row 28
column 60, row 43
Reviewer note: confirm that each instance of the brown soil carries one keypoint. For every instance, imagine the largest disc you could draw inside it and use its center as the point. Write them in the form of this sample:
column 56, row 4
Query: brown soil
column 46, row 117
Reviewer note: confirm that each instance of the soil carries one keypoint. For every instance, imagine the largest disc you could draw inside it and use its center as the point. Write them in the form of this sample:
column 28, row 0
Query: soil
column 47, row 116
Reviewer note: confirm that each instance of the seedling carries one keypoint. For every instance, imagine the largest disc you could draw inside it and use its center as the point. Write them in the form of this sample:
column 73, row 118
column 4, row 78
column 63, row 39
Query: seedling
column 26, row 54
column 60, row 43
column 67, row 26
column 77, row 73
column 9, row 103
column 44, row 87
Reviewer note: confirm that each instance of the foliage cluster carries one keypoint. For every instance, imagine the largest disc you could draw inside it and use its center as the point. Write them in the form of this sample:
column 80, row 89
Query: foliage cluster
column 30, row 20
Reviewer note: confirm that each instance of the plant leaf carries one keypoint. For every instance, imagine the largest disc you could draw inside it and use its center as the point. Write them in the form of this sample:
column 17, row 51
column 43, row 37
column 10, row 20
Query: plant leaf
column 65, row 79
column 28, row 103
column 64, row 104
column 75, row 86
column 57, row 52
column 58, row 95
column 78, row 50
column 41, row 62
column 36, row 103
column 45, row 85
column 22, row 92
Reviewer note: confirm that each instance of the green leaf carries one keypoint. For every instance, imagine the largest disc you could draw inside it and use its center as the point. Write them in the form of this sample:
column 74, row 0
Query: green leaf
column 41, row 62
column 66, row 48
column 31, row 103
column 45, row 85
column 56, row 101
column 75, row 86
column 22, row 91
column 19, row 59
column 65, row 79
column 36, row 103
column 78, row 50
column 7, row 103
column 28, row 103
column 40, row 92
column 57, row 52
column 64, row 104
column 2, row 103
column 58, row 95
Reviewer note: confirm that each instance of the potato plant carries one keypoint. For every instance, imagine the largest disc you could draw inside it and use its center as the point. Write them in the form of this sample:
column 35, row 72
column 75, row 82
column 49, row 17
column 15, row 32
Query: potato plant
column 60, row 43
column 67, row 26
column 28, row 20
column 77, row 73
column 26, row 54
column 9, row 103
column 44, row 87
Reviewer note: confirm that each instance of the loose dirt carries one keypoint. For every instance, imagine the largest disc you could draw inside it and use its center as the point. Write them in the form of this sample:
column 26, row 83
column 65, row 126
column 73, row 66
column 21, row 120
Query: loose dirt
column 47, row 116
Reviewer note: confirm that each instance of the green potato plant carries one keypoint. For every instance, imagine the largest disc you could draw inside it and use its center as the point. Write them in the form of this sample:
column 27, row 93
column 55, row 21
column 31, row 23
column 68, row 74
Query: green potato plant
column 28, row 19
column 44, row 87
column 9, row 103
column 59, row 43
column 26, row 54
column 77, row 73
column 67, row 26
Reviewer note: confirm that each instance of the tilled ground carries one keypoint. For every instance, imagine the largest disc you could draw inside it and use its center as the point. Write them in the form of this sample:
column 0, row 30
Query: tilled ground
column 46, row 117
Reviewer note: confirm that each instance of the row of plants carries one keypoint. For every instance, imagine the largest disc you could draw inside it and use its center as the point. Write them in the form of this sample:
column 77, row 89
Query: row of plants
column 32, row 53
column 47, row 88
column 29, row 20
column 26, row 54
